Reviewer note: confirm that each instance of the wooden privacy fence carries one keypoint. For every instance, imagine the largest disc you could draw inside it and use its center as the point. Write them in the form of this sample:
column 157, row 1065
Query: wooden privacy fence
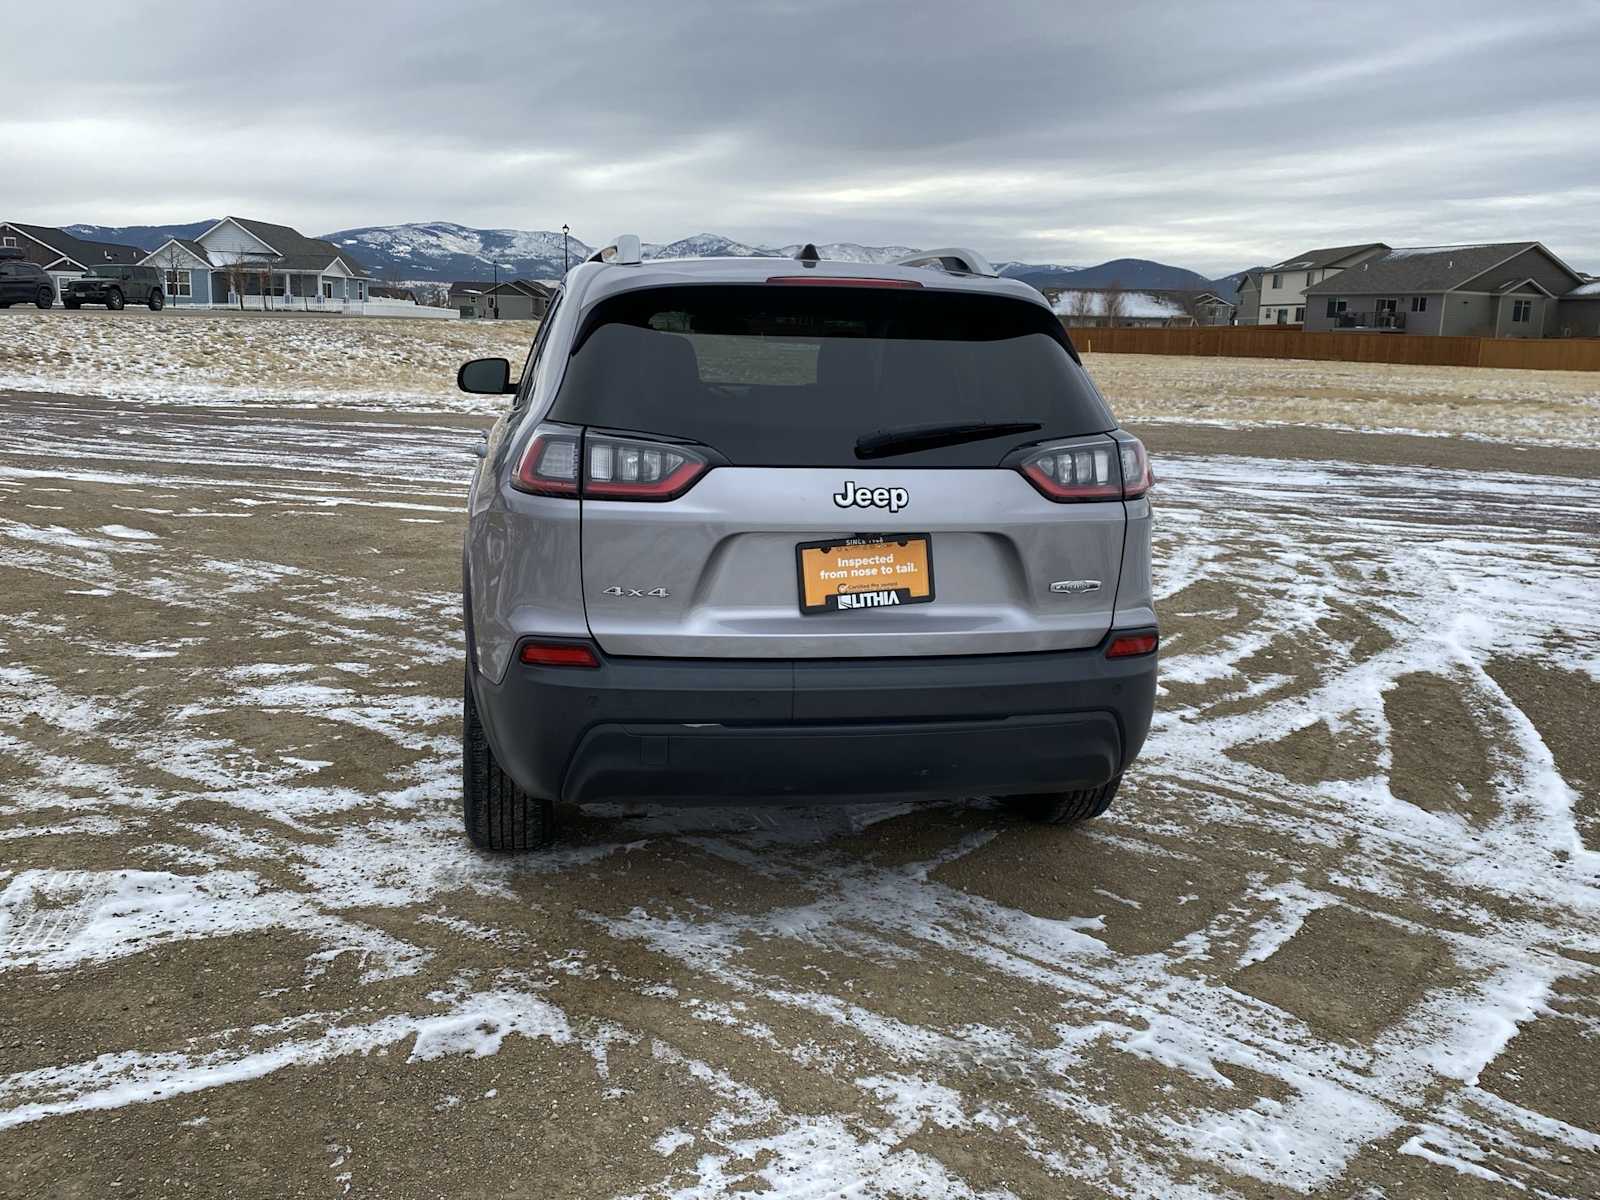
column 1272, row 341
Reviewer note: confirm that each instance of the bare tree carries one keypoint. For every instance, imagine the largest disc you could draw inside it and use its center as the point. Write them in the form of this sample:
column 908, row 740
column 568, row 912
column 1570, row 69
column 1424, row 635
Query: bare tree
column 1080, row 306
column 169, row 261
column 1116, row 304
column 245, row 270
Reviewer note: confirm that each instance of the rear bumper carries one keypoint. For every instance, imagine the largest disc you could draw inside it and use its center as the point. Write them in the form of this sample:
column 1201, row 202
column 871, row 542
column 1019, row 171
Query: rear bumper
column 715, row 730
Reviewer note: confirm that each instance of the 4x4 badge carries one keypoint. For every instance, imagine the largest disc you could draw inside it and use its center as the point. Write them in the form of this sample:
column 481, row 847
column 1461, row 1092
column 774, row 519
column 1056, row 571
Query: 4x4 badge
column 1075, row 587
column 892, row 498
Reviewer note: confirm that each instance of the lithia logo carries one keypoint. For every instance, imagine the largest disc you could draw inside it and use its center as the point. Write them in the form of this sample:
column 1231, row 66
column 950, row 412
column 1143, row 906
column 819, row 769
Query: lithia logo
column 868, row 599
column 892, row 498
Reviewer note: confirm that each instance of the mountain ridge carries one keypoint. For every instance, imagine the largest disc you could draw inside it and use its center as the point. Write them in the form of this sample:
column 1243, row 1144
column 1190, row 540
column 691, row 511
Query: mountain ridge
column 445, row 251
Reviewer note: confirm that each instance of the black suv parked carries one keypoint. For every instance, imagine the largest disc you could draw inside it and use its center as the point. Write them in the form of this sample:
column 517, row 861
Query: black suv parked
column 22, row 282
column 114, row 284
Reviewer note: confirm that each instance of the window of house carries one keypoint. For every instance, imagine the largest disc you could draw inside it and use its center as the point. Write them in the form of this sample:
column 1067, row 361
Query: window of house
column 1387, row 305
column 1335, row 306
column 1277, row 281
column 1419, row 304
column 8, row 240
column 1299, row 316
column 178, row 284
column 1311, row 277
column 1283, row 316
column 1521, row 311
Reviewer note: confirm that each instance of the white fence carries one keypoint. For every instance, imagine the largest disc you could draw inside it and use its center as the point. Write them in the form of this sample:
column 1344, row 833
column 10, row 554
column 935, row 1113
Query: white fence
column 319, row 304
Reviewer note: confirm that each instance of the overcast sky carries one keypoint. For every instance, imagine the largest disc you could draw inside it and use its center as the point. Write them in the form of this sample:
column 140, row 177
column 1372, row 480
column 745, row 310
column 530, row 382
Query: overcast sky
column 1211, row 136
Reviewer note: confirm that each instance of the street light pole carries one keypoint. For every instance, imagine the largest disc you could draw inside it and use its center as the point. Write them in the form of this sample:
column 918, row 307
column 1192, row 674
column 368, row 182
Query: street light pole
column 565, row 258
column 494, row 306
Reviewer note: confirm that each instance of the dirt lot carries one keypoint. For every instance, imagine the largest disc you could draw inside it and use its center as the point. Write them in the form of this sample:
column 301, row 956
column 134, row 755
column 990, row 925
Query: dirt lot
column 1340, row 935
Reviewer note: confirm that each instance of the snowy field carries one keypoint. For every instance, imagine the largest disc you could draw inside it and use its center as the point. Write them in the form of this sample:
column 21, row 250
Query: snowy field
column 399, row 365
column 1339, row 936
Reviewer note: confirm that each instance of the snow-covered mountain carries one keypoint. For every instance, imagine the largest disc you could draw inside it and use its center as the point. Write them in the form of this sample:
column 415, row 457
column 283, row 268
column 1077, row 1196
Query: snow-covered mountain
column 443, row 250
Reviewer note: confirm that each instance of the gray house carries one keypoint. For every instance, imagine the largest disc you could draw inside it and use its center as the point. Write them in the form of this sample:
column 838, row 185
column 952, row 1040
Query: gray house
column 1247, row 300
column 513, row 300
column 1578, row 313
column 1499, row 289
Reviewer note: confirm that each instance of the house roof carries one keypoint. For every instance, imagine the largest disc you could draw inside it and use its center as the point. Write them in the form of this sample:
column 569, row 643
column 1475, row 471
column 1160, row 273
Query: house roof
column 1314, row 260
column 463, row 287
column 524, row 286
column 1428, row 269
column 84, row 253
column 188, row 245
column 297, row 251
column 1585, row 291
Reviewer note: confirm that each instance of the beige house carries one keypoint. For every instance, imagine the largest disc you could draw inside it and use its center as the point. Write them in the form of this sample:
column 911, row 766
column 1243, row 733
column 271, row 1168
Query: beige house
column 1283, row 285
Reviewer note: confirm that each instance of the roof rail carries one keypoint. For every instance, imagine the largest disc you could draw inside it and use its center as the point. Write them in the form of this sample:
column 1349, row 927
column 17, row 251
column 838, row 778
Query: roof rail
column 951, row 258
column 624, row 251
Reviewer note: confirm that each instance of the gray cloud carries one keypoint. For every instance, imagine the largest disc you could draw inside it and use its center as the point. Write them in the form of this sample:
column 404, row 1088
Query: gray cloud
column 1211, row 135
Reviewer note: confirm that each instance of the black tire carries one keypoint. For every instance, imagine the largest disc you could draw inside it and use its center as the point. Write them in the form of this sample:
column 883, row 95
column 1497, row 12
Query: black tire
column 114, row 300
column 498, row 814
column 1066, row 808
column 44, row 297
column 157, row 301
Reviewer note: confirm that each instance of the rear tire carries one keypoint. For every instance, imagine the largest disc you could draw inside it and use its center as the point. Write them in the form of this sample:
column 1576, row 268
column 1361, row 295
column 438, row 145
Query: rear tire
column 45, row 297
column 114, row 300
column 498, row 814
column 1066, row 808
column 157, row 301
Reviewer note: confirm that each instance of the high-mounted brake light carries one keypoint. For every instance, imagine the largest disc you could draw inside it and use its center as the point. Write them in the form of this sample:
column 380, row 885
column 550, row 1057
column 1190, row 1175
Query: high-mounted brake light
column 612, row 467
column 841, row 281
column 1129, row 645
column 1090, row 471
column 558, row 654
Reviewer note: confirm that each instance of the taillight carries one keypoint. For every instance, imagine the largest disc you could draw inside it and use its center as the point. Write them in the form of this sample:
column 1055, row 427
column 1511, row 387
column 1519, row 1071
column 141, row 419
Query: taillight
column 618, row 468
column 558, row 654
column 549, row 465
column 1076, row 472
column 1137, row 475
column 1129, row 645
column 613, row 467
column 1090, row 471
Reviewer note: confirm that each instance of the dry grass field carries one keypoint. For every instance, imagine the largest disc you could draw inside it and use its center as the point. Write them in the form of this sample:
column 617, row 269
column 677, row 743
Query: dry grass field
column 1339, row 936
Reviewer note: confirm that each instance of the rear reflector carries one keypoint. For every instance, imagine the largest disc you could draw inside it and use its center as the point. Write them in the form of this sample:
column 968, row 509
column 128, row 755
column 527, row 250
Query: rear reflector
column 1128, row 645
column 558, row 654
column 840, row 281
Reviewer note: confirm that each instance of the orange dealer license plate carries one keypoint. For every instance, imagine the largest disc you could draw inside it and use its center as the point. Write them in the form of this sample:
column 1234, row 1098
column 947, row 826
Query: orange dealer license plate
column 883, row 570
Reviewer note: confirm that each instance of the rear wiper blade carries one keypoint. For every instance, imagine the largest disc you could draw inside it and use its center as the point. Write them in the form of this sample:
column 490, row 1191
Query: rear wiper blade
column 882, row 443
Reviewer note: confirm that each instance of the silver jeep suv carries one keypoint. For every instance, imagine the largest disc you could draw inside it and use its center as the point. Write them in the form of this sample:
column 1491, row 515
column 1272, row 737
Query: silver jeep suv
column 789, row 531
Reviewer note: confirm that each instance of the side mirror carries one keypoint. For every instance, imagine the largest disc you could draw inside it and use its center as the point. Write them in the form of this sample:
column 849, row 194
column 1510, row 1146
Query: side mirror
column 486, row 377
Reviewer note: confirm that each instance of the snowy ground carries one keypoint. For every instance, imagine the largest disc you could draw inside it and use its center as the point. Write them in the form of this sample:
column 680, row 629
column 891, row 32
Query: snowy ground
column 250, row 359
column 1341, row 934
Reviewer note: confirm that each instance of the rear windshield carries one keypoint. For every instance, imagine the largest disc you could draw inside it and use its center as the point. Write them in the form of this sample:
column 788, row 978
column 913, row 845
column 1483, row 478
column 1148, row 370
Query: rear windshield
column 793, row 376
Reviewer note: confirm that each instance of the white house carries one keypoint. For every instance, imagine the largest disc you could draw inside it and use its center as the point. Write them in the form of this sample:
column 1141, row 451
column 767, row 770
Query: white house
column 254, row 264
column 1284, row 284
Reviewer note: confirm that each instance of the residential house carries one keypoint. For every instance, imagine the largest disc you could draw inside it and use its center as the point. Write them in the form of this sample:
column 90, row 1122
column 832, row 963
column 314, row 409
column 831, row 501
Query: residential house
column 514, row 300
column 1498, row 289
column 63, row 256
column 1578, row 313
column 1247, row 300
column 1283, row 285
column 259, row 265
column 464, row 295
column 387, row 291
